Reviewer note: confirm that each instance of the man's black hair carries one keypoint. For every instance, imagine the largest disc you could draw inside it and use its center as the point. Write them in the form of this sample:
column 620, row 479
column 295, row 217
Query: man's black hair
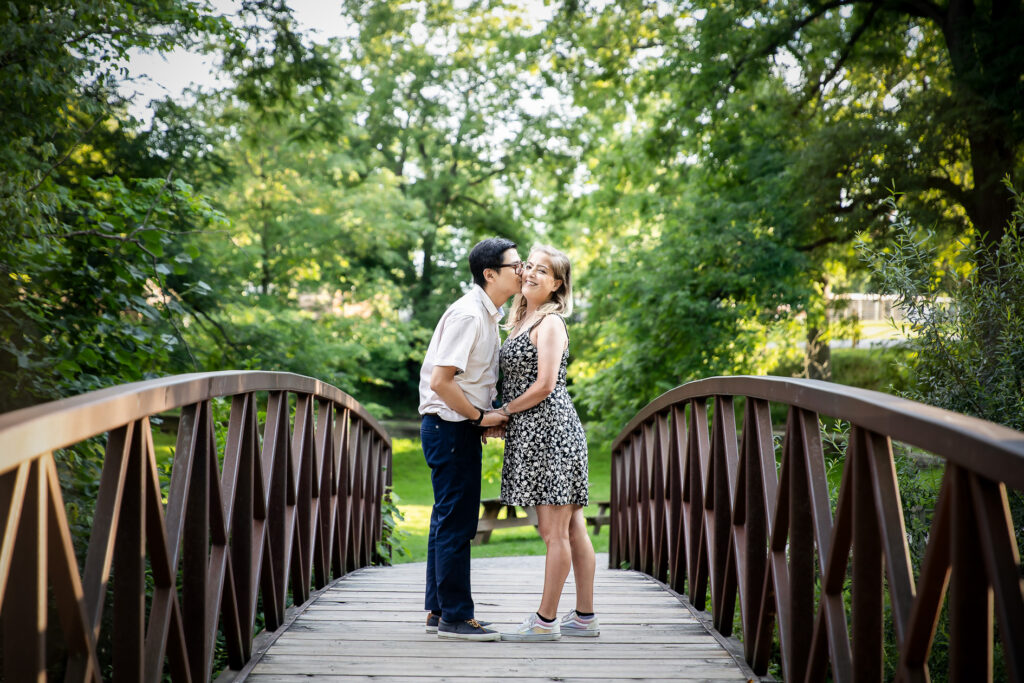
column 487, row 254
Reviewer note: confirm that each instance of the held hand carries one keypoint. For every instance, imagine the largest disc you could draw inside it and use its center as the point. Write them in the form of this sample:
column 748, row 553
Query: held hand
column 493, row 418
column 496, row 432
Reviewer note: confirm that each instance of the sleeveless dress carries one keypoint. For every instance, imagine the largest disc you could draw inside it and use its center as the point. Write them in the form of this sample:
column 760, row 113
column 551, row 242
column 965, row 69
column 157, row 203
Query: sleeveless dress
column 545, row 446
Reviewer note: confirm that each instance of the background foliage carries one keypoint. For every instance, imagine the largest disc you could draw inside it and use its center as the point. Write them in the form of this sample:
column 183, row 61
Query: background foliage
column 711, row 169
column 718, row 172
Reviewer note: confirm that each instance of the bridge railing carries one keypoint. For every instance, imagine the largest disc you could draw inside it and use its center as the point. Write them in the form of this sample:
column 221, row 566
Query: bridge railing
column 696, row 501
column 249, row 523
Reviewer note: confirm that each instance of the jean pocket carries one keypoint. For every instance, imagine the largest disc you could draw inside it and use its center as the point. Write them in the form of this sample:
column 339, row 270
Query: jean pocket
column 438, row 443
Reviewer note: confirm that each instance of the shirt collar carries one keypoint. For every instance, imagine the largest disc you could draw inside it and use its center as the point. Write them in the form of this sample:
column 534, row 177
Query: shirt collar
column 492, row 310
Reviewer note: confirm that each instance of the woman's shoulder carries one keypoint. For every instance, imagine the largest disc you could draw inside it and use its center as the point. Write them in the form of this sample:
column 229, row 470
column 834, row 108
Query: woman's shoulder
column 552, row 323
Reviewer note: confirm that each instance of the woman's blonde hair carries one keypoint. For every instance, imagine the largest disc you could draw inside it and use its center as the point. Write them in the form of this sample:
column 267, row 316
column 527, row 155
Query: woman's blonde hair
column 561, row 299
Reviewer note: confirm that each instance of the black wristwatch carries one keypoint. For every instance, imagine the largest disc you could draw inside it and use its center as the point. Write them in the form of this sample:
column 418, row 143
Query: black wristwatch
column 478, row 420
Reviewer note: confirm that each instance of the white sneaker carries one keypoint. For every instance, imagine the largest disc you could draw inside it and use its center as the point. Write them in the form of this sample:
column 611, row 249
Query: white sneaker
column 533, row 629
column 575, row 625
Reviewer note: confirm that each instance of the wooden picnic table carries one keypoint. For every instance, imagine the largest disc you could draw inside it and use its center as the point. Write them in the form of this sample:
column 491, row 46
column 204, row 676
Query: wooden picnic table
column 602, row 518
column 489, row 518
column 492, row 506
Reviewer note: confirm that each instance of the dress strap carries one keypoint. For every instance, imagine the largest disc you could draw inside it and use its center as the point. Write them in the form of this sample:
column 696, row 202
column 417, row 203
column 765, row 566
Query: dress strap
column 539, row 320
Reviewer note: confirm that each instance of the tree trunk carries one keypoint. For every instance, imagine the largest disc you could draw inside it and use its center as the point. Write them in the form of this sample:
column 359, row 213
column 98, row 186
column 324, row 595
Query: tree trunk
column 992, row 203
column 265, row 277
column 818, row 361
column 426, row 283
column 987, row 57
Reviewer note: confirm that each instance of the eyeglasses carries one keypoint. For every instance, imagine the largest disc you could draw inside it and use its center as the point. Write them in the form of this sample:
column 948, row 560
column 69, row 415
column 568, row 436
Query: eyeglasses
column 517, row 266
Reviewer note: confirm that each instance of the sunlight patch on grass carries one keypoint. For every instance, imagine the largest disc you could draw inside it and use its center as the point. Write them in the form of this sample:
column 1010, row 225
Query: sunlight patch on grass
column 512, row 541
column 411, row 484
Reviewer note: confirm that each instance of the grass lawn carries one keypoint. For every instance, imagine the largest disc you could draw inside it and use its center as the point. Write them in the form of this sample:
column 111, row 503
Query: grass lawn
column 411, row 484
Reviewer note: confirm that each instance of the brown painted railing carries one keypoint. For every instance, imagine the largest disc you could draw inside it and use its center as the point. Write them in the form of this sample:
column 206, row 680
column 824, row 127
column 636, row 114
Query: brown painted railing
column 695, row 501
column 247, row 525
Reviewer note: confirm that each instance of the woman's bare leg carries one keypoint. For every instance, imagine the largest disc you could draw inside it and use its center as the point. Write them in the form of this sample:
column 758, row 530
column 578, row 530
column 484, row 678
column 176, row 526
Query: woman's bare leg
column 553, row 524
column 584, row 563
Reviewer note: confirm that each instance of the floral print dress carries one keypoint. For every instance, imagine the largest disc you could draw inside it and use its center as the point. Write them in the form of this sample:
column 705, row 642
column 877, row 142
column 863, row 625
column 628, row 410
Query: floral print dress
column 545, row 446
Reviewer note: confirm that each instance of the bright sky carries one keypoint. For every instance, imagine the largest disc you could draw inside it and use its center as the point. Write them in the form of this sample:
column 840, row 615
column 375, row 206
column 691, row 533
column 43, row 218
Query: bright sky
column 156, row 76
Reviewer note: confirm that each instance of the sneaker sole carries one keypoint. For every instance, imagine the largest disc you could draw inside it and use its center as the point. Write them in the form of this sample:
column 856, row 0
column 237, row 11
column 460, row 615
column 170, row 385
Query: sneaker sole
column 530, row 638
column 479, row 637
column 580, row 634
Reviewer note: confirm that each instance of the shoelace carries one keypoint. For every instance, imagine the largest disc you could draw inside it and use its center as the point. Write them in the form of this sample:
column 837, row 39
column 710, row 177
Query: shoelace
column 474, row 623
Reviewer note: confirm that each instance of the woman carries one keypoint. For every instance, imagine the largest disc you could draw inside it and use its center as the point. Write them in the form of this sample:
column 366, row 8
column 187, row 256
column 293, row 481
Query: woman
column 545, row 446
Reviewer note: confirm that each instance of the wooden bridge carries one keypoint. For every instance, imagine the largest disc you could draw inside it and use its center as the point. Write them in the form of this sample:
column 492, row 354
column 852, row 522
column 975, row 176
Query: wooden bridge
column 369, row 625
column 250, row 557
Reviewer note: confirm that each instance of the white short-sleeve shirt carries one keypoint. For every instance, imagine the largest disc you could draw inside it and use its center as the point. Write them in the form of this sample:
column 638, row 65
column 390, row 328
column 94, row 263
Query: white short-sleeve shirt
column 466, row 338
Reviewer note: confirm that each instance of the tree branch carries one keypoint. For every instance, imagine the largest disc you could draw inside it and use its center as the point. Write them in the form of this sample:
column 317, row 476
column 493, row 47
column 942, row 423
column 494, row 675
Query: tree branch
column 164, row 293
column 847, row 51
column 467, row 198
column 916, row 8
column 865, row 203
column 489, row 174
column 152, row 205
column 922, row 9
column 781, row 36
column 223, row 333
column 947, row 186
column 64, row 157
column 821, row 242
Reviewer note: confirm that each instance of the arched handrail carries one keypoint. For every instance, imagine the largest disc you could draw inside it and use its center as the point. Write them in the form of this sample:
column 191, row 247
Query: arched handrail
column 699, row 504
column 247, row 524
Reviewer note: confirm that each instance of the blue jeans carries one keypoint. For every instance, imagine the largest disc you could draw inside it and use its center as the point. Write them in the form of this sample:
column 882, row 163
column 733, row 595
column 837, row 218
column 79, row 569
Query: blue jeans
column 453, row 451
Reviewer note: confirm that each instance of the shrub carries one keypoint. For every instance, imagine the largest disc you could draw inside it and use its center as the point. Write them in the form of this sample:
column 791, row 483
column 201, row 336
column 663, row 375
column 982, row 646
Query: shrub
column 965, row 333
column 967, row 348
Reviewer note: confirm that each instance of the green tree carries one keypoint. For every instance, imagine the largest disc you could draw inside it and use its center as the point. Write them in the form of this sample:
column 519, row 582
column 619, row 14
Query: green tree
column 787, row 123
column 309, row 273
column 951, row 303
column 680, row 290
column 923, row 95
column 453, row 109
column 84, row 258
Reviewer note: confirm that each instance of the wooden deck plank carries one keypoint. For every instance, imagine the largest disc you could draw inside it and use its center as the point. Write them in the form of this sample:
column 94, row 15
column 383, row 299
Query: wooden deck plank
column 509, row 667
column 608, row 598
column 369, row 626
column 659, row 615
column 341, row 634
column 365, row 638
column 296, row 678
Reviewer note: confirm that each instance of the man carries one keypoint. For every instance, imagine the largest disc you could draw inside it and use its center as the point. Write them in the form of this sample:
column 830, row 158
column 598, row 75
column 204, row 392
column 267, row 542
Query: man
column 457, row 389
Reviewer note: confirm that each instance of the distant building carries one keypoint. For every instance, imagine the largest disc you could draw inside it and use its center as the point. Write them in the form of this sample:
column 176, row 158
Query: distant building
column 864, row 307
column 870, row 307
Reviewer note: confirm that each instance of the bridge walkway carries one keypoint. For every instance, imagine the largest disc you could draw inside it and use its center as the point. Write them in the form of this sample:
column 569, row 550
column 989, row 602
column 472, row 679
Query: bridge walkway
column 369, row 626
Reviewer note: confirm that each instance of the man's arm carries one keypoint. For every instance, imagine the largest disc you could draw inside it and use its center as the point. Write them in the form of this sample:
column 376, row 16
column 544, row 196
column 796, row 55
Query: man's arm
column 442, row 383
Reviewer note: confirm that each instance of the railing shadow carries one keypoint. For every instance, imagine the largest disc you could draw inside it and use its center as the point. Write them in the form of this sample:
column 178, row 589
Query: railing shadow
column 287, row 498
column 701, row 505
